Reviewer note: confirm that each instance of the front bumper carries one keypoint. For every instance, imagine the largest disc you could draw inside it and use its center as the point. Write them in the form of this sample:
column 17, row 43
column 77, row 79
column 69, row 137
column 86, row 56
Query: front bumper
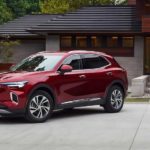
column 7, row 105
column 5, row 111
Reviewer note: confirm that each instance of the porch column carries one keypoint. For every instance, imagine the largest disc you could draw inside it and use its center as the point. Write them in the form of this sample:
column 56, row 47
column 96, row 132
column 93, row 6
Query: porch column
column 139, row 54
column 52, row 43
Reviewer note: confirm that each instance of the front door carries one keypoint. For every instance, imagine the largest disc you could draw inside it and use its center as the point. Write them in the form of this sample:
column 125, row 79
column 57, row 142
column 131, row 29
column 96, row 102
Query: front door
column 147, row 56
column 71, row 86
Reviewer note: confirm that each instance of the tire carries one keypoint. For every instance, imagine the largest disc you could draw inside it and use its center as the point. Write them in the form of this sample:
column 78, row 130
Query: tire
column 114, row 100
column 39, row 107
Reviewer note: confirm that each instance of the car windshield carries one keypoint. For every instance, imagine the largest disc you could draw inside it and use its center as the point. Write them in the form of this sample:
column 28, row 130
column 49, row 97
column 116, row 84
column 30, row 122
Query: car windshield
column 37, row 63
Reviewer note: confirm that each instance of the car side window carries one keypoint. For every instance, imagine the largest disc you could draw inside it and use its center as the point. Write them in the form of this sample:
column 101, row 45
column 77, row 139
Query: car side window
column 91, row 61
column 73, row 61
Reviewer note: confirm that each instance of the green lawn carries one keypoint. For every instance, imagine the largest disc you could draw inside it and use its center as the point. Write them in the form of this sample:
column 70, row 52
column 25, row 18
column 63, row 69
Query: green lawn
column 137, row 100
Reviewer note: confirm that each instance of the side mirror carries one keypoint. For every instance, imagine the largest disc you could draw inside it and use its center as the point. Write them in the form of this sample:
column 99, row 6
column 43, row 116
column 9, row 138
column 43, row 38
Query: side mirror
column 65, row 68
column 11, row 66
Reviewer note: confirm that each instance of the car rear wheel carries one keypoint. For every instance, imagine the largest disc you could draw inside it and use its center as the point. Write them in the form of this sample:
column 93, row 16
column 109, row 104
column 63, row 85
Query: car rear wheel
column 114, row 100
column 39, row 107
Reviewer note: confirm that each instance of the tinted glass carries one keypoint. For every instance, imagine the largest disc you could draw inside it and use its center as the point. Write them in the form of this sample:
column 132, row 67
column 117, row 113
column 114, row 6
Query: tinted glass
column 37, row 63
column 91, row 61
column 73, row 61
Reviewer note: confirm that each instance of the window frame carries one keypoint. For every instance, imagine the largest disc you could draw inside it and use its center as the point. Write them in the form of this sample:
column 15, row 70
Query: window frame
column 80, row 61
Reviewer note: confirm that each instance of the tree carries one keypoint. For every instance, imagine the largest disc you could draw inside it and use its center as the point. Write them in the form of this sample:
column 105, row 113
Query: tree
column 6, row 51
column 5, row 13
column 33, row 6
column 23, row 7
column 54, row 6
column 17, row 7
column 62, row 6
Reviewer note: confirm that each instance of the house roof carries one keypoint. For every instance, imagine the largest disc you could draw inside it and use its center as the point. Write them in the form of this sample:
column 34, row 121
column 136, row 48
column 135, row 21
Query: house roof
column 84, row 20
column 92, row 19
column 19, row 26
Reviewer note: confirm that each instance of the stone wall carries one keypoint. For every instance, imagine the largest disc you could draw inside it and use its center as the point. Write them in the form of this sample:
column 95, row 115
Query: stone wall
column 53, row 43
column 134, row 65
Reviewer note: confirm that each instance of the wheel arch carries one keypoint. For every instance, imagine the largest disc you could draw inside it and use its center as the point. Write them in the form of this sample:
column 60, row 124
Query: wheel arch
column 43, row 87
column 117, row 83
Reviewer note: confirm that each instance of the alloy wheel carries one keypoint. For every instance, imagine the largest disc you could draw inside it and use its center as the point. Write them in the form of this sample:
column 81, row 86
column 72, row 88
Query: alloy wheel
column 39, row 106
column 116, row 99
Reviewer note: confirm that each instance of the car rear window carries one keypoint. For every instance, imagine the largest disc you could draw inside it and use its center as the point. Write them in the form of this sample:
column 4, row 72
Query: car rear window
column 91, row 61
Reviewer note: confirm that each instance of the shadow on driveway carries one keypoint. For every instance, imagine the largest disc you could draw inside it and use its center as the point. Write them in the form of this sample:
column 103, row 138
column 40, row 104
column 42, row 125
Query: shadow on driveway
column 59, row 114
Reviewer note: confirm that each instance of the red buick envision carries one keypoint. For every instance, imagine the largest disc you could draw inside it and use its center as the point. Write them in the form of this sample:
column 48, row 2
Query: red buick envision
column 46, row 81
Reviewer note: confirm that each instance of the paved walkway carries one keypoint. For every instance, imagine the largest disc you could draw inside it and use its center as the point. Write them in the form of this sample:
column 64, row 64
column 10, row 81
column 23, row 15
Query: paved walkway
column 81, row 129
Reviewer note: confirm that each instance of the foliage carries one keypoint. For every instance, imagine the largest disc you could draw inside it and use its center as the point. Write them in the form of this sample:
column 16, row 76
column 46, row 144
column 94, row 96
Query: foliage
column 5, row 13
column 54, row 6
column 22, row 7
column 6, row 51
column 33, row 6
column 62, row 6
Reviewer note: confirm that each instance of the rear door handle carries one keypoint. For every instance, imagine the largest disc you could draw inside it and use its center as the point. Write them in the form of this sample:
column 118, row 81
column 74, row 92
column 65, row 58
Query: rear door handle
column 109, row 73
column 82, row 76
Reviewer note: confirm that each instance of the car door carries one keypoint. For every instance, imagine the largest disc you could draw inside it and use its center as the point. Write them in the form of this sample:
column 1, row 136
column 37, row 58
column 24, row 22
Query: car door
column 97, row 75
column 71, row 85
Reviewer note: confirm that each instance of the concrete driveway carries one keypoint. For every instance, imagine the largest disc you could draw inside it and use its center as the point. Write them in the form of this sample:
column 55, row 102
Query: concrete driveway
column 88, row 128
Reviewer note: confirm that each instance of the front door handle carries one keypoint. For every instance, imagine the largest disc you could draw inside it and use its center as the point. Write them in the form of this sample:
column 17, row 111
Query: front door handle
column 82, row 76
column 109, row 73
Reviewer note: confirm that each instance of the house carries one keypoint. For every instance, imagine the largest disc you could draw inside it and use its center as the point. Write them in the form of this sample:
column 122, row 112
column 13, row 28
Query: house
column 122, row 31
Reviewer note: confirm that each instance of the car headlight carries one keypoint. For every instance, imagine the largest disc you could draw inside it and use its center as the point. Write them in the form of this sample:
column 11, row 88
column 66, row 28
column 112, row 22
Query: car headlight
column 20, row 84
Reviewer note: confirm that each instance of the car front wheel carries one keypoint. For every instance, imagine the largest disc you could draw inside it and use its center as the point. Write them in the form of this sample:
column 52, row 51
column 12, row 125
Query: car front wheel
column 114, row 99
column 39, row 107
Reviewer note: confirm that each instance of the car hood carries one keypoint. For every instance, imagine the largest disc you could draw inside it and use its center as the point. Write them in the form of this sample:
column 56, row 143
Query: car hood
column 17, row 76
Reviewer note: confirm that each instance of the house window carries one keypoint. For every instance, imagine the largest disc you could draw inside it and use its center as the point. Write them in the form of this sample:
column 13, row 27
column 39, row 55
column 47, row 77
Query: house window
column 113, row 45
column 128, row 42
column 112, row 41
column 96, row 41
column 66, row 41
column 81, row 41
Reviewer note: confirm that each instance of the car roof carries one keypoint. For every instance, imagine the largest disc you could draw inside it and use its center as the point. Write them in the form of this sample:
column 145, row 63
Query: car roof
column 64, row 53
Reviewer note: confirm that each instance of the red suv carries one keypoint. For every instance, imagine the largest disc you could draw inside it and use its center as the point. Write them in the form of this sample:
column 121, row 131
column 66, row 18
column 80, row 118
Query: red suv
column 46, row 81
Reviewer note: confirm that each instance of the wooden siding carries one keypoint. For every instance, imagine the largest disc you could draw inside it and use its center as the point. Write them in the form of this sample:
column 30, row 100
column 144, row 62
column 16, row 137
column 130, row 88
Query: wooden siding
column 146, row 24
